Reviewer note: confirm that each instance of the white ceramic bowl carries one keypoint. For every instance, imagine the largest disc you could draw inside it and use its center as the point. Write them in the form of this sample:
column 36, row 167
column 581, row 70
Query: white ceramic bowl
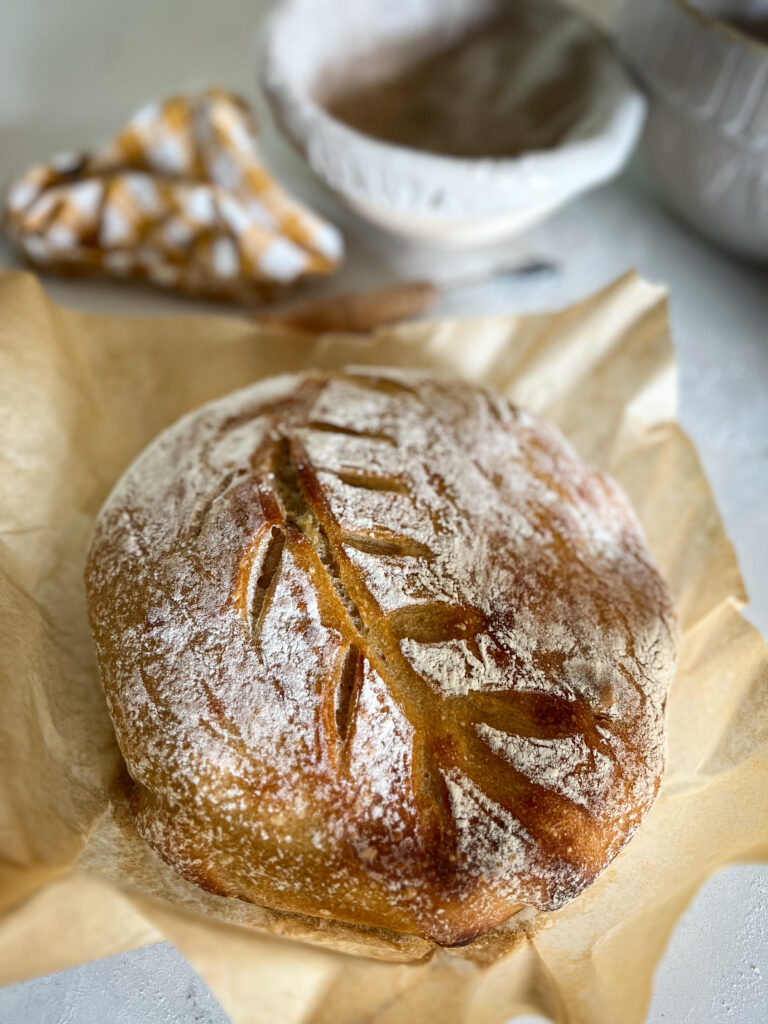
column 455, row 200
column 706, row 137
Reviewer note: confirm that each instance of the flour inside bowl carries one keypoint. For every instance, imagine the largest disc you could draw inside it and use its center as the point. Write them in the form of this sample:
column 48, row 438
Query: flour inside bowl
column 513, row 82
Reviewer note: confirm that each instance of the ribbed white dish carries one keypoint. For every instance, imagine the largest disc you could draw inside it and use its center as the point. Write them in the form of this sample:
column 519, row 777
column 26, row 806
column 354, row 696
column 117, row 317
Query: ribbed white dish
column 706, row 137
column 417, row 193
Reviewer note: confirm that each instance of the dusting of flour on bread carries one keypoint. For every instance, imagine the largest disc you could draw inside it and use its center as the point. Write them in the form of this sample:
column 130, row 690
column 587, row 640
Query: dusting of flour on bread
column 379, row 647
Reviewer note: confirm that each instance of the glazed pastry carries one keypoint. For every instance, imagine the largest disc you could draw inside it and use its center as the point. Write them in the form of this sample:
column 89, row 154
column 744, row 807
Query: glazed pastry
column 180, row 198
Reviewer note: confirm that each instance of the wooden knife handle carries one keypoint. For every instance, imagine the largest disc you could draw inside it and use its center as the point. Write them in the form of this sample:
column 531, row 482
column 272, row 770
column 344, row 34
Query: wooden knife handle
column 358, row 312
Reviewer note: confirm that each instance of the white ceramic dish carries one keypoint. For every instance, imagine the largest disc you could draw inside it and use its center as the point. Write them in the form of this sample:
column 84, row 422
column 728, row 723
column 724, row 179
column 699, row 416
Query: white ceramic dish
column 427, row 195
column 706, row 137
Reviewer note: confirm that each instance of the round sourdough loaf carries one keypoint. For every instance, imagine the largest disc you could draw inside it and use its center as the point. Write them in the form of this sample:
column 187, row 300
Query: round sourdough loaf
column 380, row 649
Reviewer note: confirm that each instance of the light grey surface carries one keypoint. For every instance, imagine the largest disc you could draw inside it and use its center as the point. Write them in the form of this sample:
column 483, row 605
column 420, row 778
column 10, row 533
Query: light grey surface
column 70, row 72
column 154, row 985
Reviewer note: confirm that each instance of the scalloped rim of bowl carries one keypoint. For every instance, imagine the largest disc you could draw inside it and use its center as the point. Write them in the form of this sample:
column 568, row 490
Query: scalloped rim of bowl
column 382, row 179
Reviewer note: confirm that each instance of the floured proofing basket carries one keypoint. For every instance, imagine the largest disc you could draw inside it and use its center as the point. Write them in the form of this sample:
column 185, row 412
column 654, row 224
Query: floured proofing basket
column 180, row 197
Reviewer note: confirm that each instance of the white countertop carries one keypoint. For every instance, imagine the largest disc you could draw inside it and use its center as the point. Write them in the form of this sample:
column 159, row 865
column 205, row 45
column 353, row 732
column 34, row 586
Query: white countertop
column 69, row 73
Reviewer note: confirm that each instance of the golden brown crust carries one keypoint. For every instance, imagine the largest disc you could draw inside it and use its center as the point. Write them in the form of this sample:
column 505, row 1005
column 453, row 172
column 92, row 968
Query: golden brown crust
column 381, row 650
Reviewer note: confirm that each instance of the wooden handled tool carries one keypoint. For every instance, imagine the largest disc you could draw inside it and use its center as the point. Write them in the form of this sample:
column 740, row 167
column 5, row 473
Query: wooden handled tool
column 359, row 312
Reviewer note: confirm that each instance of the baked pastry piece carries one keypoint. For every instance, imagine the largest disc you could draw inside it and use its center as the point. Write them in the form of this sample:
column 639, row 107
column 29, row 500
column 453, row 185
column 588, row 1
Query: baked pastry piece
column 379, row 648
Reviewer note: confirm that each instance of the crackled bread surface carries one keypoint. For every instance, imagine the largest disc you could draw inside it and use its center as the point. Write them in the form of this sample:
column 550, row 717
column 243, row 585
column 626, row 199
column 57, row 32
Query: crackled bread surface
column 379, row 648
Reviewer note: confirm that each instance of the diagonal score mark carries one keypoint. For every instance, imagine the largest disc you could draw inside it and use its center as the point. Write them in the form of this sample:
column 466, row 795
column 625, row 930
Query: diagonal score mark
column 205, row 509
column 377, row 382
column 529, row 713
column 434, row 622
column 300, row 518
column 266, row 584
column 322, row 426
column 372, row 481
column 538, row 716
column 386, row 543
column 348, row 687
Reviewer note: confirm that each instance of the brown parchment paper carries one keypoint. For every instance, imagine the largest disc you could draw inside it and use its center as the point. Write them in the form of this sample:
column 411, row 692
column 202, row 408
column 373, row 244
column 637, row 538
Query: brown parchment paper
column 80, row 396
